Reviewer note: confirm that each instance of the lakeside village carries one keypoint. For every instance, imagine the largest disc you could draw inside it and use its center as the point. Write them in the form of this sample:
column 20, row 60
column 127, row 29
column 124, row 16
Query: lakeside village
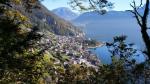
column 74, row 50
column 77, row 48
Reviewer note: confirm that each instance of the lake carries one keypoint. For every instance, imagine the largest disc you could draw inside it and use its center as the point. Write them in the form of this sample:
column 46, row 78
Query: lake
column 105, row 30
column 105, row 56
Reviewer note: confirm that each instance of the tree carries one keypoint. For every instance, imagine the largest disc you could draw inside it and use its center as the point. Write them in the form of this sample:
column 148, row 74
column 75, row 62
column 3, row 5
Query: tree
column 96, row 5
column 22, row 57
column 124, row 68
column 29, row 4
column 142, row 20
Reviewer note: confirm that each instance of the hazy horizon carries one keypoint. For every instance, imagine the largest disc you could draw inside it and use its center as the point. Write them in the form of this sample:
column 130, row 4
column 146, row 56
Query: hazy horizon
column 118, row 5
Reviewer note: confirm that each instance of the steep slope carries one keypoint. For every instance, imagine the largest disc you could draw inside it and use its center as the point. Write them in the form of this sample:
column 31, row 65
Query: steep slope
column 58, row 25
column 65, row 13
column 43, row 17
column 29, row 53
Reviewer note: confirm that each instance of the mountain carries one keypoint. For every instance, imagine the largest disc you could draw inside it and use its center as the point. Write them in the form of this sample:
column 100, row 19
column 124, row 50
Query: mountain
column 33, row 48
column 59, row 26
column 93, row 16
column 141, row 10
column 113, row 23
column 90, row 17
column 65, row 13
column 49, row 21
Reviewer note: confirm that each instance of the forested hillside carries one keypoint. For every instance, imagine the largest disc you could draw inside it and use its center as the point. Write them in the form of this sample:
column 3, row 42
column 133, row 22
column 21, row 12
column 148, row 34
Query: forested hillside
column 32, row 49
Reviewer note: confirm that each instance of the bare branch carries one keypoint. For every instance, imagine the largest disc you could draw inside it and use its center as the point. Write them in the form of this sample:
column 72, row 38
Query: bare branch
column 93, row 6
column 136, row 16
column 135, row 9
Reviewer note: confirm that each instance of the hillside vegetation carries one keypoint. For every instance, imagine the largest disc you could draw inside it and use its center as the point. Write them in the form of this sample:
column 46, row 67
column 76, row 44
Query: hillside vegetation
column 33, row 50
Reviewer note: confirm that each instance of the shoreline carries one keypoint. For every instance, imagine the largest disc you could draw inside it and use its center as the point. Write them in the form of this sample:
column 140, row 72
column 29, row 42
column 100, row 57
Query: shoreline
column 99, row 45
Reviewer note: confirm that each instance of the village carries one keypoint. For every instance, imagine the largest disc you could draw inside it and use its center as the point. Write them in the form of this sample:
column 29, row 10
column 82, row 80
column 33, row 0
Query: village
column 74, row 51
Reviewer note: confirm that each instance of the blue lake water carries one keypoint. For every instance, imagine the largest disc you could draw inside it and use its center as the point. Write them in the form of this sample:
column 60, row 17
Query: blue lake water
column 105, row 56
column 105, row 30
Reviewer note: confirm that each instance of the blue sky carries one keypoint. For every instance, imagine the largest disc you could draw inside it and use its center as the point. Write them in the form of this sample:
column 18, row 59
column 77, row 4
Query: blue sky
column 120, row 5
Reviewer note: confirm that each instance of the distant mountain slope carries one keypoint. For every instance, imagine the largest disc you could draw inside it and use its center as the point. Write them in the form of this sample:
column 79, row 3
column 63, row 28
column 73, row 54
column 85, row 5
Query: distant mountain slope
column 65, row 13
column 49, row 21
column 89, row 17
column 95, row 16
column 141, row 10
column 113, row 23
column 59, row 26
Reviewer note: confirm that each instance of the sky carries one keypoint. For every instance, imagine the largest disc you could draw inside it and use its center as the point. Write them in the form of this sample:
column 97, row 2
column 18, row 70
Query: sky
column 119, row 5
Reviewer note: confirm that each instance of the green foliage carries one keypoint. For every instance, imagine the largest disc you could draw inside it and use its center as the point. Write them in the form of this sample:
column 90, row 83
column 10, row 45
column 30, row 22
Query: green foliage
column 65, row 58
column 120, row 49
column 91, row 42
column 76, row 74
column 19, row 56
column 22, row 58
column 88, row 5
column 122, row 70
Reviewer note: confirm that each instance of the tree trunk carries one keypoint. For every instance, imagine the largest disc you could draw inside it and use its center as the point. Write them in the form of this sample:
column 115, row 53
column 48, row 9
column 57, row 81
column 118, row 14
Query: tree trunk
column 146, row 39
column 144, row 28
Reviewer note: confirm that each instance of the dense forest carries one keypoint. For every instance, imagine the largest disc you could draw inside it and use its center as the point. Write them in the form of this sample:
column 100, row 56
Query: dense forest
column 38, row 47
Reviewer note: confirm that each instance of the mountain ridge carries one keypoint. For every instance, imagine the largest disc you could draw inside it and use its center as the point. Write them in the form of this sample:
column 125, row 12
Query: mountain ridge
column 65, row 13
column 42, row 16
